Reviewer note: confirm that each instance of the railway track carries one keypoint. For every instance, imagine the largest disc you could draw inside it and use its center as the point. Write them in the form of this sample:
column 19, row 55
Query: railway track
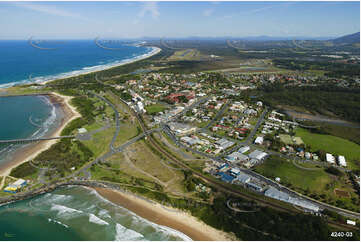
column 219, row 185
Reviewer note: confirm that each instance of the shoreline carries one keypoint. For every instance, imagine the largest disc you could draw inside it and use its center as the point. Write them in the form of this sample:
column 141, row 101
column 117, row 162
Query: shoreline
column 161, row 215
column 32, row 150
column 155, row 50
column 29, row 152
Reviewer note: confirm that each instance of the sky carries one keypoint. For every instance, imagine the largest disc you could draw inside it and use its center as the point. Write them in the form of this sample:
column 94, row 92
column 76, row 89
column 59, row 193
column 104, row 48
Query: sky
column 87, row 20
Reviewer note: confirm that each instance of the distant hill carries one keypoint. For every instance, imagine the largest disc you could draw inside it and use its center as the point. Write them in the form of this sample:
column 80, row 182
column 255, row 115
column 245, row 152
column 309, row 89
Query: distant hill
column 348, row 39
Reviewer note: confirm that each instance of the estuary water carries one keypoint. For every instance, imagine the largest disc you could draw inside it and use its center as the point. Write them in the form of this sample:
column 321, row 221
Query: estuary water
column 24, row 117
column 71, row 213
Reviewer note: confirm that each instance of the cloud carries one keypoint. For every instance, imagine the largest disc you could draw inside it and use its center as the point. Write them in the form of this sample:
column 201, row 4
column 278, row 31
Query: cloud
column 208, row 12
column 51, row 10
column 151, row 8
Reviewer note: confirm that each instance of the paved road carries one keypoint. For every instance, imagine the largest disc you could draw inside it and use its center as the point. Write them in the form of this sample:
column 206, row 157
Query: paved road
column 116, row 116
column 250, row 136
column 341, row 211
column 322, row 205
column 218, row 115
column 201, row 100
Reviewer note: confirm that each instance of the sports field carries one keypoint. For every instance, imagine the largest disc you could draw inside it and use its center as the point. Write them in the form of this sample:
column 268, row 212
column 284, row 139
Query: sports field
column 155, row 108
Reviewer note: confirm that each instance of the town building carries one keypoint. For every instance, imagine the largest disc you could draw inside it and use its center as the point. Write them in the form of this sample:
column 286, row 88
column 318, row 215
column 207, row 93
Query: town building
column 258, row 155
column 16, row 186
column 259, row 140
column 330, row 158
column 342, row 160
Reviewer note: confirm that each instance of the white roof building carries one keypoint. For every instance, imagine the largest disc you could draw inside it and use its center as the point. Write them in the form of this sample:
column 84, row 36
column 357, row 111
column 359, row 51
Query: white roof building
column 243, row 178
column 259, row 140
column 257, row 154
column 236, row 156
column 19, row 182
column 330, row 158
column 82, row 130
column 342, row 160
column 243, row 149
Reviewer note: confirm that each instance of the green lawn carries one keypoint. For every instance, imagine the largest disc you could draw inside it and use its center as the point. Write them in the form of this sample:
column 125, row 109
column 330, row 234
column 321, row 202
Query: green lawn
column 304, row 179
column 315, row 183
column 155, row 108
column 332, row 144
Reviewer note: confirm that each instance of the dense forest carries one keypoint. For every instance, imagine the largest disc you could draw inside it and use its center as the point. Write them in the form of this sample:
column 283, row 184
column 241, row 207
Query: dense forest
column 344, row 103
column 333, row 69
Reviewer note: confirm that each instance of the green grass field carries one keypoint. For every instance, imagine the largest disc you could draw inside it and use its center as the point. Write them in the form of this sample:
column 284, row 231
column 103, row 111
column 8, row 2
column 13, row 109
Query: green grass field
column 332, row 144
column 155, row 108
column 315, row 183
column 304, row 179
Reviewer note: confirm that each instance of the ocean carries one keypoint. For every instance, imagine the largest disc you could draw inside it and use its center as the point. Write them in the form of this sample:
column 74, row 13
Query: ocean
column 72, row 213
column 25, row 61
column 77, row 213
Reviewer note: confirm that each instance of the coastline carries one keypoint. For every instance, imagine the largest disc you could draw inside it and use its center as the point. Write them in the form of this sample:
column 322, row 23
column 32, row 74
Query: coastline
column 169, row 217
column 32, row 150
column 155, row 51
column 83, row 71
column 161, row 215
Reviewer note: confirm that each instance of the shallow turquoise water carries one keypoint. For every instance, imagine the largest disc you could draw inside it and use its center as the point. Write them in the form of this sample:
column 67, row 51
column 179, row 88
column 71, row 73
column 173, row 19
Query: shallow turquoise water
column 77, row 213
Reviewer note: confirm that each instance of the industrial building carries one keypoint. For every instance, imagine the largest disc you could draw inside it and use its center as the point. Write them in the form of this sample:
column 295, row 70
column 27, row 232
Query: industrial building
column 282, row 196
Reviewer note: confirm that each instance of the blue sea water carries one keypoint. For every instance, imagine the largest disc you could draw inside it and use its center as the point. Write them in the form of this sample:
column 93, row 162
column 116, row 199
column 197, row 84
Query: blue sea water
column 72, row 213
column 24, row 61
column 77, row 213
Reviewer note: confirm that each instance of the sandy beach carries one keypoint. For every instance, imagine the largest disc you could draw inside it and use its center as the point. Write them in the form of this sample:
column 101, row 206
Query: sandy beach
column 154, row 212
column 175, row 219
column 32, row 150
column 155, row 51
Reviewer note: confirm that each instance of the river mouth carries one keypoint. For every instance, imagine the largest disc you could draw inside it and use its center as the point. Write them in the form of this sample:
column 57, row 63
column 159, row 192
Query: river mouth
column 30, row 117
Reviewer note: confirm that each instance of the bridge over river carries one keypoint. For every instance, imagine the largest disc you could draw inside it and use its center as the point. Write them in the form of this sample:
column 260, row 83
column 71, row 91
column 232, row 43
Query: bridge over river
column 29, row 140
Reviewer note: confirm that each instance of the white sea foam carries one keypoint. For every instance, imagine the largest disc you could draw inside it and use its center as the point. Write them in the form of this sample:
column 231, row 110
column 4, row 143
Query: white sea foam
column 164, row 229
column 104, row 213
column 65, row 212
column 96, row 220
column 122, row 233
column 160, row 228
column 84, row 70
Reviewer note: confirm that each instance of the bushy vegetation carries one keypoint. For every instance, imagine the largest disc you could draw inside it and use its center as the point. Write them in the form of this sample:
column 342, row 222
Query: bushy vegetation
column 334, row 171
column 324, row 100
column 64, row 155
column 23, row 170
column 334, row 69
